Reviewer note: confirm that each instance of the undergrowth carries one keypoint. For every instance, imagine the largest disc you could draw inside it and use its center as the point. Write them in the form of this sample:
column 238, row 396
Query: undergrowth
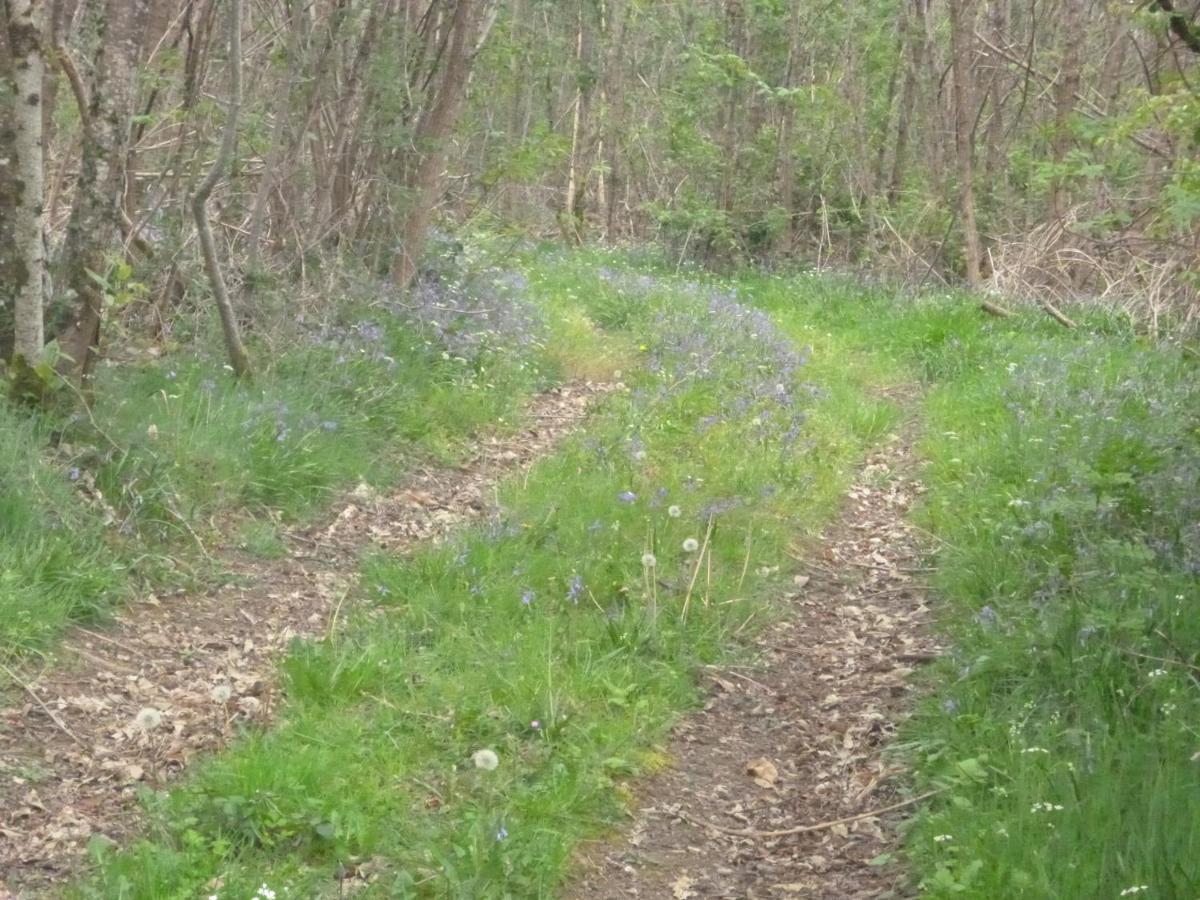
column 479, row 712
column 176, row 457
column 1064, row 496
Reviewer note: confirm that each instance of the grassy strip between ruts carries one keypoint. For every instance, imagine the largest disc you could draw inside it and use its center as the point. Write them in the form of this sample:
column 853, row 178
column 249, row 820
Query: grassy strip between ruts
column 1064, row 491
column 560, row 637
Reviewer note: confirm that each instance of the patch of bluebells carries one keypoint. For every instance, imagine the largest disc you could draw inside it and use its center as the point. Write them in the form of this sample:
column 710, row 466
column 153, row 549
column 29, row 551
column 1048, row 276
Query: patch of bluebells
column 748, row 364
column 472, row 314
column 362, row 340
column 1122, row 459
column 574, row 588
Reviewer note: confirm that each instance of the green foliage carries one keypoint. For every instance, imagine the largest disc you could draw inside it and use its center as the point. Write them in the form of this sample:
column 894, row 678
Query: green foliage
column 55, row 560
column 1061, row 481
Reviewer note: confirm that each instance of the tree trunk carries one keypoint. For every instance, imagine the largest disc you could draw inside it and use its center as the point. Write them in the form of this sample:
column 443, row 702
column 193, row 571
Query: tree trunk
column 787, row 157
column 93, row 230
column 22, row 280
column 238, row 357
column 961, row 36
column 572, row 212
column 1066, row 86
column 433, row 130
column 915, row 38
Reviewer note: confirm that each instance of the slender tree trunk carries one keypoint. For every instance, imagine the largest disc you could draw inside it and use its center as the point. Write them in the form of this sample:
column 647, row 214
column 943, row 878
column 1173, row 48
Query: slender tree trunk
column 278, row 147
column 994, row 161
column 433, row 130
column 24, row 279
column 238, row 357
column 915, row 37
column 961, row 18
column 787, row 157
column 1066, row 87
column 572, row 215
column 10, row 196
column 93, row 232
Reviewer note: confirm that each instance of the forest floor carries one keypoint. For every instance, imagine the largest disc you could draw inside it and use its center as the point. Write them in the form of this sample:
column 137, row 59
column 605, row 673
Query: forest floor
column 130, row 706
column 774, row 787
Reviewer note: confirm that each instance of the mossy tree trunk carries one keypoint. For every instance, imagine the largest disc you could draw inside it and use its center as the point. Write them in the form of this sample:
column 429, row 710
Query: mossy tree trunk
column 93, row 231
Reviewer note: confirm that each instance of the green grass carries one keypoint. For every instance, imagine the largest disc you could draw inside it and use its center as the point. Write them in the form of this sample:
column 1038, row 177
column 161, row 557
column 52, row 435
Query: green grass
column 1064, row 491
column 54, row 560
column 1063, row 494
column 544, row 635
column 176, row 451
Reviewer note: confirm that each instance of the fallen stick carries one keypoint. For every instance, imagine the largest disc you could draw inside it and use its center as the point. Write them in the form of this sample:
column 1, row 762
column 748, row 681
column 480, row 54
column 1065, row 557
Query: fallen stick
column 62, row 726
column 819, row 826
column 1053, row 312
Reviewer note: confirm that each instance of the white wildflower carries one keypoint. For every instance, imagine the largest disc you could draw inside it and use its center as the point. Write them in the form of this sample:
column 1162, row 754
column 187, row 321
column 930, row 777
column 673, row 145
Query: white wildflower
column 942, row 838
column 1046, row 807
column 649, row 561
column 674, row 512
column 221, row 693
column 1035, row 750
column 1135, row 889
column 148, row 718
column 1158, row 673
column 485, row 759
column 690, row 545
column 265, row 892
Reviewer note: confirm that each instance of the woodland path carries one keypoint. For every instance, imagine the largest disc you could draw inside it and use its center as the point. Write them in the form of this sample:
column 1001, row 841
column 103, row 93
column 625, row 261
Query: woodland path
column 799, row 738
column 175, row 679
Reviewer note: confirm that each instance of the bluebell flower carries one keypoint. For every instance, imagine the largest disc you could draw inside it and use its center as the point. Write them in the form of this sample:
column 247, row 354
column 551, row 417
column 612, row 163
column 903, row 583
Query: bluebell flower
column 627, row 496
column 574, row 588
column 527, row 597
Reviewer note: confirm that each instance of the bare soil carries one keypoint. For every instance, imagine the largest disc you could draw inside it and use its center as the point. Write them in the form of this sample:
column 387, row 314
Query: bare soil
column 134, row 704
column 798, row 739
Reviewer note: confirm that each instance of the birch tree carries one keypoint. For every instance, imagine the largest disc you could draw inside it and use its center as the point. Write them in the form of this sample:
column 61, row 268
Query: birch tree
column 22, row 258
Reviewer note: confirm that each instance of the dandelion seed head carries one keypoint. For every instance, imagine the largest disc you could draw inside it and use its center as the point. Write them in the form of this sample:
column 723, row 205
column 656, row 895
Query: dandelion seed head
column 674, row 512
column 691, row 545
column 148, row 718
column 485, row 759
column 649, row 561
column 221, row 693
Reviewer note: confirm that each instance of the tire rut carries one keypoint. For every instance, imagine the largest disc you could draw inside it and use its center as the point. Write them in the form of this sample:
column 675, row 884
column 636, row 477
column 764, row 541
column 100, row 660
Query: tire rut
column 799, row 738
